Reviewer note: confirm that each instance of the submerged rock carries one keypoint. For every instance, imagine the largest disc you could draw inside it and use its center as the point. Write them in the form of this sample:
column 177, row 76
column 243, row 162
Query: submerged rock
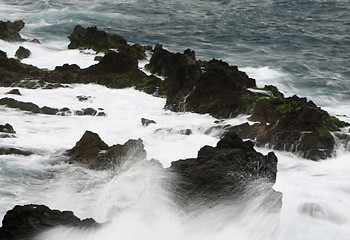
column 91, row 151
column 22, row 53
column 318, row 211
column 145, row 122
column 35, row 84
column 16, row 151
column 292, row 124
column 226, row 173
column 25, row 222
column 9, row 31
column 83, row 98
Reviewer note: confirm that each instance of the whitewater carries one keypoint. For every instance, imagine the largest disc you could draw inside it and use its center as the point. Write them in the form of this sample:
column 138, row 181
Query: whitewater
column 306, row 54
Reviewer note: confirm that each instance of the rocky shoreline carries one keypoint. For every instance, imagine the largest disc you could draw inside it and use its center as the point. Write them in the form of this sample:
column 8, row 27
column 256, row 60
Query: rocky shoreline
column 227, row 172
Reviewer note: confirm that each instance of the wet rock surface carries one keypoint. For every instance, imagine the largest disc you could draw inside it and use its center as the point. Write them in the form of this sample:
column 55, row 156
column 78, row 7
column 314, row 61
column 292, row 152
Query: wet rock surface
column 92, row 152
column 7, row 128
column 226, row 172
column 212, row 87
column 15, row 151
column 93, row 38
column 204, row 87
column 25, row 222
column 22, row 53
column 100, row 41
column 15, row 92
column 145, row 122
column 33, row 108
column 9, row 31
column 36, row 84
column 292, row 124
column 7, row 131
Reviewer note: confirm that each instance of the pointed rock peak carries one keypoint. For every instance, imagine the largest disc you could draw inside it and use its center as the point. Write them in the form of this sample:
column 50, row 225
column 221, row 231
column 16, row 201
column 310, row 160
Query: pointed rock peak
column 89, row 141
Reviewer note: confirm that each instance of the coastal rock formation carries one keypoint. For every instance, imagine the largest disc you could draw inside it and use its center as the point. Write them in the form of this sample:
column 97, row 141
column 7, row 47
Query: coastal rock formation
column 95, row 39
column 33, row 108
column 145, row 122
column 212, row 87
column 227, row 172
column 35, row 84
column 7, row 128
column 115, row 70
column 9, row 31
column 22, row 53
column 7, row 131
column 181, row 72
column 16, row 151
column 25, row 222
column 204, row 87
column 14, row 91
column 292, row 124
column 12, row 71
column 100, row 41
column 91, row 151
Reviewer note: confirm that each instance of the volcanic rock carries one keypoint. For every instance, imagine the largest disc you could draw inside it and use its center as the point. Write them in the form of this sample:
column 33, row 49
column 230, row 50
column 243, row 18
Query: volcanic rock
column 35, row 84
column 22, row 53
column 7, row 128
column 226, row 172
column 100, row 41
column 213, row 87
column 33, row 108
column 12, row 71
column 15, row 92
column 89, row 111
column 90, row 150
column 9, row 31
column 16, row 151
column 25, row 222
column 186, row 131
column 94, row 39
column 25, row 106
column 181, row 72
column 292, row 124
column 83, row 98
column 115, row 70
column 145, row 122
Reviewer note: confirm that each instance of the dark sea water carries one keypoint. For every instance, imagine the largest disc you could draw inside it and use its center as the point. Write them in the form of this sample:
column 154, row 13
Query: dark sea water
column 307, row 39
column 301, row 46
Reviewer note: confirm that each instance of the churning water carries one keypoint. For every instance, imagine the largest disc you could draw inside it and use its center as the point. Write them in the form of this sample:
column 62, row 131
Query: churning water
column 302, row 47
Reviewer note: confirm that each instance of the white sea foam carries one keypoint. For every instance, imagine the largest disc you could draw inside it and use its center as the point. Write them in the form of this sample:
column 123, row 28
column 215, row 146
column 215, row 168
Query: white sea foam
column 51, row 54
column 134, row 196
column 315, row 194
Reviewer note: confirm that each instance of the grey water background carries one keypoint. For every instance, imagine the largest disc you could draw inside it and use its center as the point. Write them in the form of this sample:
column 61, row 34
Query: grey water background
column 308, row 40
